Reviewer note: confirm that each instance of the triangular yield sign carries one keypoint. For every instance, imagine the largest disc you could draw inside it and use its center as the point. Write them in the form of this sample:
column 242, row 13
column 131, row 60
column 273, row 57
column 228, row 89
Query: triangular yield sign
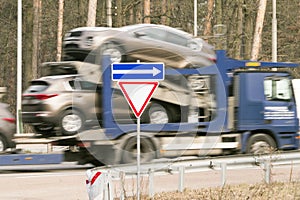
column 138, row 94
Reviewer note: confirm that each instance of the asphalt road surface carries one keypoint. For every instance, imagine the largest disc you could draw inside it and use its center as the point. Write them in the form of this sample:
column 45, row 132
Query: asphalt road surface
column 67, row 181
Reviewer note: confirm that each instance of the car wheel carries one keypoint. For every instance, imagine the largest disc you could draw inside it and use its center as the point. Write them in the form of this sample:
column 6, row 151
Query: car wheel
column 129, row 154
column 3, row 143
column 261, row 144
column 71, row 122
column 158, row 114
column 115, row 52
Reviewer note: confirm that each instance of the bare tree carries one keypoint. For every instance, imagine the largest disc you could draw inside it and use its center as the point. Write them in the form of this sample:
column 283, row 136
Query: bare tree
column 208, row 18
column 119, row 20
column 91, row 21
column 147, row 18
column 60, row 29
column 258, row 29
column 164, row 12
column 36, row 36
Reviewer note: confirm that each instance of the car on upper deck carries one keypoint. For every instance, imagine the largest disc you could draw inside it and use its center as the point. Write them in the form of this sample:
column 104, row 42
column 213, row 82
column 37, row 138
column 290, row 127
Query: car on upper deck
column 143, row 42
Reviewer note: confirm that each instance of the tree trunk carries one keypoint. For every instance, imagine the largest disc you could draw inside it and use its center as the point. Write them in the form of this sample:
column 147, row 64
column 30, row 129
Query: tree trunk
column 164, row 12
column 60, row 29
column 147, row 18
column 36, row 35
column 240, row 28
column 91, row 20
column 119, row 21
column 258, row 29
column 208, row 18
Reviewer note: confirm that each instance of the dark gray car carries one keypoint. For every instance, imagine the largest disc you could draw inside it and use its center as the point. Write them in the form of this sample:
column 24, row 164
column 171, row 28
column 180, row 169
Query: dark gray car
column 7, row 128
column 144, row 42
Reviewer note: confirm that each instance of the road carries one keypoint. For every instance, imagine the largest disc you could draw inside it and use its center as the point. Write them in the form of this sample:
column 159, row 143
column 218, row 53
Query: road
column 67, row 181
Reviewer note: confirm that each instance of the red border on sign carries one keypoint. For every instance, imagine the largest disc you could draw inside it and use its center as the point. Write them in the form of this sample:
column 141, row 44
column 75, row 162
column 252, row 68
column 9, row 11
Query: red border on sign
column 136, row 112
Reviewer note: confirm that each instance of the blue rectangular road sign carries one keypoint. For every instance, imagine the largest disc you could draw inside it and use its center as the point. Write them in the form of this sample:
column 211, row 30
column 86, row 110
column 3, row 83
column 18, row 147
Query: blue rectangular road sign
column 138, row 71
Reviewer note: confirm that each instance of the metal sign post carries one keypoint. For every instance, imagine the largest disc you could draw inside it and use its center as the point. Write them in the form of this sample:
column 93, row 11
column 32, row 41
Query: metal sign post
column 138, row 157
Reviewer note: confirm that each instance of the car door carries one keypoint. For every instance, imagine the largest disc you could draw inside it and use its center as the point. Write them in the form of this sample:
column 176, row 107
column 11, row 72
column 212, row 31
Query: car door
column 84, row 97
column 150, row 45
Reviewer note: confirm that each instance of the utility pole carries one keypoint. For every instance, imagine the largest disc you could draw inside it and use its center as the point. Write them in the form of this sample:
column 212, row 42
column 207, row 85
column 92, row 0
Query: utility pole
column 195, row 18
column 60, row 29
column 274, row 33
column 109, row 15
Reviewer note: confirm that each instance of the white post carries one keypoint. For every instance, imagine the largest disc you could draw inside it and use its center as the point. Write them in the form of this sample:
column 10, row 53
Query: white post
column 274, row 33
column 151, row 183
column 267, row 171
column 195, row 19
column 181, row 179
column 223, row 179
column 138, row 158
column 19, row 68
column 109, row 15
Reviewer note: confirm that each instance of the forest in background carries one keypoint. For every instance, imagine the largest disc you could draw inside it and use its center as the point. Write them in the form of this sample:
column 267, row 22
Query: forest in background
column 236, row 18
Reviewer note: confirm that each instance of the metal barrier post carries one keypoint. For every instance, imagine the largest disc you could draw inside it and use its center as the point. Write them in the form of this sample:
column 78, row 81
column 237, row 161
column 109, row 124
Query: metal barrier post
column 223, row 177
column 151, row 183
column 122, row 176
column 267, row 166
column 181, row 179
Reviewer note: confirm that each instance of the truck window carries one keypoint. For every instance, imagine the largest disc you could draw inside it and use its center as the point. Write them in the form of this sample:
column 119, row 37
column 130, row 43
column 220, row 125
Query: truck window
column 277, row 89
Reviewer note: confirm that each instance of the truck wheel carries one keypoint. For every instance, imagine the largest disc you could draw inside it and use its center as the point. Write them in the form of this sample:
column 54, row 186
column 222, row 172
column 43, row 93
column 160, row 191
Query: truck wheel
column 71, row 122
column 261, row 144
column 3, row 143
column 129, row 154
column 115, row 52
column 157, row 114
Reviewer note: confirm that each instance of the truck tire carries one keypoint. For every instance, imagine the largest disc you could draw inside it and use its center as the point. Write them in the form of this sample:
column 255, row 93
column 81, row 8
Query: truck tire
column 261, row 144
column 71, row 122
column 3, row 143
column 158, row 113
column 129, row 154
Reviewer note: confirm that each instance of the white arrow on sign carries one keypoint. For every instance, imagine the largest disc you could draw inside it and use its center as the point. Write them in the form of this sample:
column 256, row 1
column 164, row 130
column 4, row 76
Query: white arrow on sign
column 153, row 71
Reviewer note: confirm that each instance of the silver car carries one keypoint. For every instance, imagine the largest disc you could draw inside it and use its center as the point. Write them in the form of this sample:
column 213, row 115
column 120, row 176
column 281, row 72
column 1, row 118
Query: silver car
column 7, row 128
column 66, row 104
column 144, row 42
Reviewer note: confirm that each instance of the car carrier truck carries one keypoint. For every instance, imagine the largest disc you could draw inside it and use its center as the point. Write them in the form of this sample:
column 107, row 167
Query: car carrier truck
column 236, row 106
column 251, row 109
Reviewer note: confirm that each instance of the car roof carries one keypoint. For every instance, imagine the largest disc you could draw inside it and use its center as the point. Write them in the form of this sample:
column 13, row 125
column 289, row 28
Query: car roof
column 91, row 29
column 137, row 26
column 91, row 72
column 57, row 77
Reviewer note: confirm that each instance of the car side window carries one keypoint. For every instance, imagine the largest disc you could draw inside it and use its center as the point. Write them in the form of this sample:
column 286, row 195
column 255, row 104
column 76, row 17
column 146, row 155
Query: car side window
column 176, row 39
column 155, row 33
column 83, row 85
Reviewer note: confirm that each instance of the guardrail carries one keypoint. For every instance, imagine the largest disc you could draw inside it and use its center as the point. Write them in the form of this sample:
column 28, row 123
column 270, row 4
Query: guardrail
column 102, row 187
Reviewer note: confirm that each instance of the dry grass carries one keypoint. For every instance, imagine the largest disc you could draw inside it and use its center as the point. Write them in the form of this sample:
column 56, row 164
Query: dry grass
column 273, row 191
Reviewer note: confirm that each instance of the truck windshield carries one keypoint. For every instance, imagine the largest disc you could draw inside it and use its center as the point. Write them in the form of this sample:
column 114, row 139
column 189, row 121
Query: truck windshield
column 277, row 89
